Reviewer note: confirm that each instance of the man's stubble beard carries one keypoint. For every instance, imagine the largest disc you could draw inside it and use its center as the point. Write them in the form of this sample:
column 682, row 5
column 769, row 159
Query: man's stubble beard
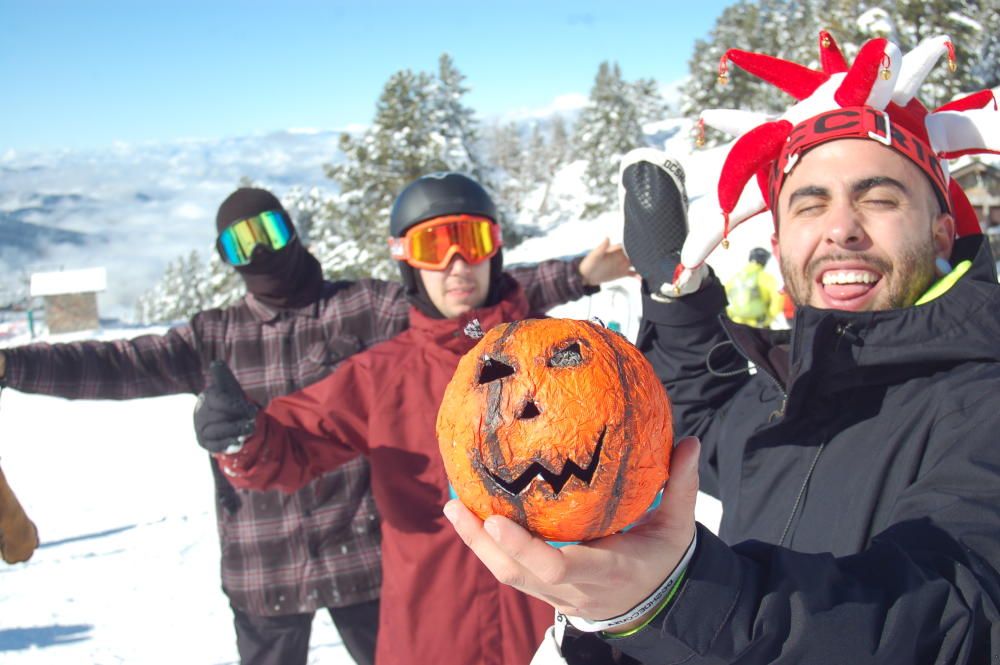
column 905, row 281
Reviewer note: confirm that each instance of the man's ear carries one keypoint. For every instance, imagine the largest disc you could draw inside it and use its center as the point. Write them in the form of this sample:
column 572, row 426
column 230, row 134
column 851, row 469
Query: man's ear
column 943, row 234
column 775, row 250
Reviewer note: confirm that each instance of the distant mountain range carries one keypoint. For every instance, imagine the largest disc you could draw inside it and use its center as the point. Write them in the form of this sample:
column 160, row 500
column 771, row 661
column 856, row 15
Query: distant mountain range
column 23, row 240
column 134, row 208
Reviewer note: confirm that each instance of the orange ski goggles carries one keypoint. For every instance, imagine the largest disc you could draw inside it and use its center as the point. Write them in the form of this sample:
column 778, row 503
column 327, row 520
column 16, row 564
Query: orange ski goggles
column 431, row 245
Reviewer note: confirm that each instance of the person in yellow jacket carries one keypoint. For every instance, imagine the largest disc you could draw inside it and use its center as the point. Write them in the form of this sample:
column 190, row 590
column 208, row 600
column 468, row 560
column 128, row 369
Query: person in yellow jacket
column 754, row 297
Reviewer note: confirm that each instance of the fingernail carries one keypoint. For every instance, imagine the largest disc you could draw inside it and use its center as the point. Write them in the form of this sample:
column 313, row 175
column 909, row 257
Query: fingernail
column 492, row 529
column 449, row 512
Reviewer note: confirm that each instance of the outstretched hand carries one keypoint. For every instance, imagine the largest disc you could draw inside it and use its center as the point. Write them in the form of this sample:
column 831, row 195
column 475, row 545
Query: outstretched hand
column 223, row 416
column 601, row 578
column 18, row 535
column 605, row 263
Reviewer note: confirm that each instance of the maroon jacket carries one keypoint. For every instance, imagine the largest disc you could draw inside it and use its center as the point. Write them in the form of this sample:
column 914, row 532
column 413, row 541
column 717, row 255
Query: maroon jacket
column 439, row 602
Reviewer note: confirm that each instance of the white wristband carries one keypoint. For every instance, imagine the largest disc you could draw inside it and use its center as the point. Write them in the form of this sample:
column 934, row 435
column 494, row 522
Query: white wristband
column 650, row 603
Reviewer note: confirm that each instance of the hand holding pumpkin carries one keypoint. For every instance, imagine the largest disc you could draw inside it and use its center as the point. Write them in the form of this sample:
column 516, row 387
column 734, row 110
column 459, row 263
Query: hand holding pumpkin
column 605, row 263
column 600, row 578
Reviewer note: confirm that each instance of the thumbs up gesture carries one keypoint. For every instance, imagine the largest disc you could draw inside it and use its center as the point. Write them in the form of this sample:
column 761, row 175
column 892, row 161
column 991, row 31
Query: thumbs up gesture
column 223, row 417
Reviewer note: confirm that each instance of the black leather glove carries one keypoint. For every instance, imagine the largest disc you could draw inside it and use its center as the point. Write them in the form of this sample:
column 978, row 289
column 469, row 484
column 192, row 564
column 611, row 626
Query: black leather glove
column 223, row 416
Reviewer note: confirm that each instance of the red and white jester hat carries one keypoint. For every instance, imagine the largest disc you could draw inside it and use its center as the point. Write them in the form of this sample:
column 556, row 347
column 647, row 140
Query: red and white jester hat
column 874, row 98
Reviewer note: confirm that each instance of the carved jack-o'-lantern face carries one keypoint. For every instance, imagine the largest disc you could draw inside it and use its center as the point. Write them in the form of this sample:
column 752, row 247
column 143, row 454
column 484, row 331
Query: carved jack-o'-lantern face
column 558, row 424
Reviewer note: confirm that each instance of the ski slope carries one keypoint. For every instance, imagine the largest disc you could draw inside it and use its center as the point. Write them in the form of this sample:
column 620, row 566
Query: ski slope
column 127, row 571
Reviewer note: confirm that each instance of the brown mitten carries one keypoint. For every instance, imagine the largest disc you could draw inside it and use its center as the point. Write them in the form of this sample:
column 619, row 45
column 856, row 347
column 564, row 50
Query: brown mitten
column 18, row 535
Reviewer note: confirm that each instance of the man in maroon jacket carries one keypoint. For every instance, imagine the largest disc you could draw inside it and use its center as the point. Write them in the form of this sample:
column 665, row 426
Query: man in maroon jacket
column 439, row 603
column 284, row 556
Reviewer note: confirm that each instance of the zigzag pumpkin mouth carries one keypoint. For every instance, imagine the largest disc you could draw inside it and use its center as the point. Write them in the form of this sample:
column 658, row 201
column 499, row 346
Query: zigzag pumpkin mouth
column 555, row 480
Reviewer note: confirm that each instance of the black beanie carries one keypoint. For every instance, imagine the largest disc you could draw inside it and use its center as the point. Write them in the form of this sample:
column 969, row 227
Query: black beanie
column 288, row 278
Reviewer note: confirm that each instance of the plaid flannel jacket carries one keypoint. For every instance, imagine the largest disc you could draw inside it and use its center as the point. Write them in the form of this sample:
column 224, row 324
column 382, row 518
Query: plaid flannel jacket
column 281, row 553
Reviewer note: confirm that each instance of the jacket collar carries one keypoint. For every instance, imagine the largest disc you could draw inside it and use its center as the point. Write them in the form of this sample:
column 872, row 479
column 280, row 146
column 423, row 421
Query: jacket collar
column 835, row 350
column 450, row 335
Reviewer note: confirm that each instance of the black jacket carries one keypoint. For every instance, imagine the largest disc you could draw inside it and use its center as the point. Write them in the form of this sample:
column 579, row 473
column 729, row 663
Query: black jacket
column 859, row 471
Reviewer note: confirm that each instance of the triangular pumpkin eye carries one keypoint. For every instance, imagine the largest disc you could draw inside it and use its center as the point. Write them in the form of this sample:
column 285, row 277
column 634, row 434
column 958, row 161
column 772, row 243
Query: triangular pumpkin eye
column 568, row 356
column 493, row 370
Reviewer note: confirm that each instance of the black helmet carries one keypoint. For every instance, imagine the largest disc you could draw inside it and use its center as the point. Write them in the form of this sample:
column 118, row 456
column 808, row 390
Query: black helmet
column 434, row 195
column 437, row 194
column 759, row 255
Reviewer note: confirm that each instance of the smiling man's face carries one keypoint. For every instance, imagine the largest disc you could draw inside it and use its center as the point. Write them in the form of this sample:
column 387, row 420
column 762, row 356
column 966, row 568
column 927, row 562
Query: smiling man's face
column 859, row 228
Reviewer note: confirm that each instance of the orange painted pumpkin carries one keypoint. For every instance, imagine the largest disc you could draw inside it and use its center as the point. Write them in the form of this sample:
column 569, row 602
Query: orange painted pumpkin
column 558, row 424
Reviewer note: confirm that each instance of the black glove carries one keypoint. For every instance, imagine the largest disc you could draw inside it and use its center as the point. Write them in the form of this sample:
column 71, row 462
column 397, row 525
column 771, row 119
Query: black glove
column 654, row 207
column 223, row 416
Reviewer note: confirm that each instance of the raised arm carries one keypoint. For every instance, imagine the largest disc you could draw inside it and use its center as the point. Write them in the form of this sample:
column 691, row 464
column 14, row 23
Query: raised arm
column 698, row 365
column 143, row 366
column 557, row 281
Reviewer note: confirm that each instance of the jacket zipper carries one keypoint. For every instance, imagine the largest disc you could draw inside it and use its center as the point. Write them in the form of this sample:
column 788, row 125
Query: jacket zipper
column 802, row 492
column 780, row 411
column 844, row 332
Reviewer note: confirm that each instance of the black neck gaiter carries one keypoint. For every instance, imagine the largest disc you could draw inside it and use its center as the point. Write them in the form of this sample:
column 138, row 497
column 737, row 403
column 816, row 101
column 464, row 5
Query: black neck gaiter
column 287, row 279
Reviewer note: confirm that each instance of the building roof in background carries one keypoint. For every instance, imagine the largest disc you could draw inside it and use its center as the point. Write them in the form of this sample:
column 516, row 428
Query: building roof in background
column 86, row 280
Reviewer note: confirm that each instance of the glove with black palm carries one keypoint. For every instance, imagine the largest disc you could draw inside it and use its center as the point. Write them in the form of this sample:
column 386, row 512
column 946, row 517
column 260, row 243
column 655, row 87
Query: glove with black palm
column 654, row 208
column 224, row 416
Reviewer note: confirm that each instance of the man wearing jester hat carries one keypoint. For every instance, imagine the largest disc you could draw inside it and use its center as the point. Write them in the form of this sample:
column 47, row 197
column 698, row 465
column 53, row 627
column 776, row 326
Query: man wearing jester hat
column 859, row 464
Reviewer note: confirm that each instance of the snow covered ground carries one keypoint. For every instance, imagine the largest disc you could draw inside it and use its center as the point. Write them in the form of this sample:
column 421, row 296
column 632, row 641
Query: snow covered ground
column 127, row 571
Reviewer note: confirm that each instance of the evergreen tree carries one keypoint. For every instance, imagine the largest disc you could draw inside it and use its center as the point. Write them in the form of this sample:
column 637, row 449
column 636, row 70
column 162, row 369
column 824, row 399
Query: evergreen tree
column 986, row 66
column 559, row 143
column 782, row 28
column 456, row 122
column 537, row 169
column 649, row 102
column 505, row 149
column 315, row 214
column 221, row 284
column 788, row 29
column 506, row 153
column 608, row 127
column 399, row 147
column 736, row 27
column 916, row 20
column 421, row 126
column 178, row 295
column 307, row 209
column 556, row 154
column 462, row 146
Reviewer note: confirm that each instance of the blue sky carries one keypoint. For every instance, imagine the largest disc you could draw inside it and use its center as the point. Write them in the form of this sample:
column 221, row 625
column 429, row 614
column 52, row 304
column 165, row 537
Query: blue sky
column 78, row 74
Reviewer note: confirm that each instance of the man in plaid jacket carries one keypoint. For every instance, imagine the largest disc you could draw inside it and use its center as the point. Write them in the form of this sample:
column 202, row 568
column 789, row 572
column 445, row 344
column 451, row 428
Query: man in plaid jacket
column 284, row 556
